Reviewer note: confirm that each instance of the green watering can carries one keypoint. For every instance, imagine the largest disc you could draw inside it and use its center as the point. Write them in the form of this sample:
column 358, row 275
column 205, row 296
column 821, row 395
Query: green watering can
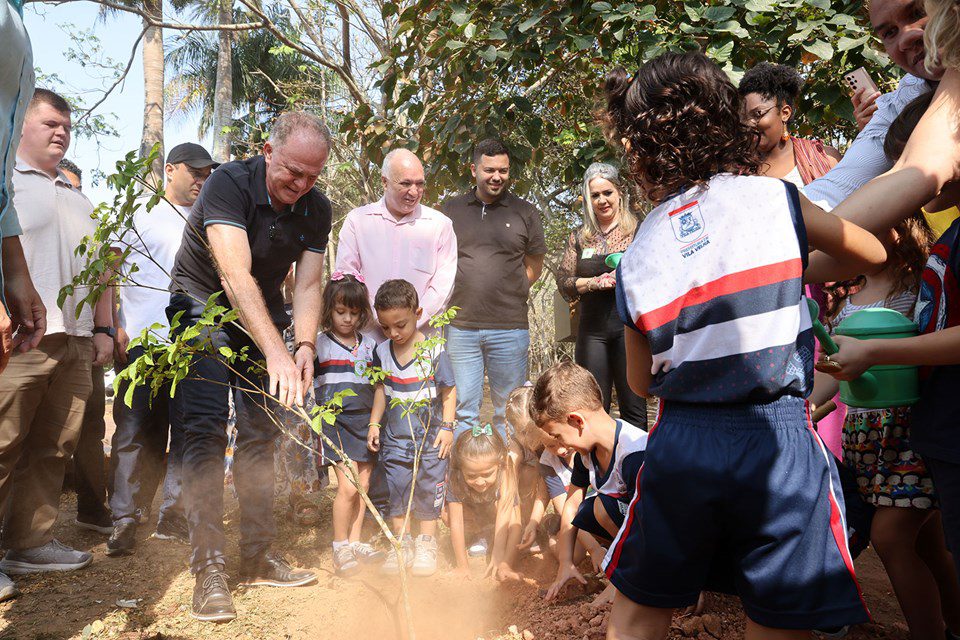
column 613, row 260
column 881, row 386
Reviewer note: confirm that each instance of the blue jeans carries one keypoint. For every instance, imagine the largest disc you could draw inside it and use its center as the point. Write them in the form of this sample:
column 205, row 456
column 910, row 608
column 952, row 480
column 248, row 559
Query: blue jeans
column 137, row 452
column 202, row 399
column 502, row 355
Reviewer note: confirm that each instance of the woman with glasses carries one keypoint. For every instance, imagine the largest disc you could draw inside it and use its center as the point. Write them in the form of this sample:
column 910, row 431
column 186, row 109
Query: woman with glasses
column 769, row 93
column 585, row 278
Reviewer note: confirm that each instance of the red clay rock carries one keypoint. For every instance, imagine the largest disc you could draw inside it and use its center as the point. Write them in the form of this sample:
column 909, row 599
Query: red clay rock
column 597, row 620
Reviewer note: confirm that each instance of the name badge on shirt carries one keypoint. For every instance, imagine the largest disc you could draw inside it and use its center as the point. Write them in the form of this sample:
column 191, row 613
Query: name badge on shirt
column 588, row 253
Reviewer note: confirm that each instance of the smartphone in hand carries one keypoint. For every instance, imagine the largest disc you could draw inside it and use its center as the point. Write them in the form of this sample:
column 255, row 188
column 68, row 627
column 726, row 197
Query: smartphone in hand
column 859, row 78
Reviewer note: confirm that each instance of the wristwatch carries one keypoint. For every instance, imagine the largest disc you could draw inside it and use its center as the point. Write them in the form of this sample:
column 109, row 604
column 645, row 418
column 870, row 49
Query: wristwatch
column 110, row 331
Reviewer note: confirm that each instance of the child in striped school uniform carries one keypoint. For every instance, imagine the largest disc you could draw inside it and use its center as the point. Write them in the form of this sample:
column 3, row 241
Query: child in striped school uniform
column 411, row 375
column 343, row 355
column 736, row 492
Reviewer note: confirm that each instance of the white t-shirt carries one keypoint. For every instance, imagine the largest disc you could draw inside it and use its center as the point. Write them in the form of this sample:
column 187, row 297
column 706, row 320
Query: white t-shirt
column 55, row 217
column 153, row 247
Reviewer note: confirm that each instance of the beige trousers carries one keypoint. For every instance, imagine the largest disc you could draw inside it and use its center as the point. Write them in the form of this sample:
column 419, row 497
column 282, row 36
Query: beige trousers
column 42, row 398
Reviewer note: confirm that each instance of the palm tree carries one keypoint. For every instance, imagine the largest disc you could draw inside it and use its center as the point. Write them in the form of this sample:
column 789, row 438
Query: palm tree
column 223, row 105
column 259, row 80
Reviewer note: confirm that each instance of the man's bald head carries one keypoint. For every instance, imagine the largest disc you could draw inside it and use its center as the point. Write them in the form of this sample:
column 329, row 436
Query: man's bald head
column 403, row 182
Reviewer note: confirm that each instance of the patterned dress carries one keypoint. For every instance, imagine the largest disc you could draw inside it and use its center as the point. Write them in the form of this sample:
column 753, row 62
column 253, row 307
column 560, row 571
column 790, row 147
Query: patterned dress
column 876, row 442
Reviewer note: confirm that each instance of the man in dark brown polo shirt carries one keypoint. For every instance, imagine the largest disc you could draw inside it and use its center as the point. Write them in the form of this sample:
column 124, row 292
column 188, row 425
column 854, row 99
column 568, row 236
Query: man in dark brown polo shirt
column 500, row 255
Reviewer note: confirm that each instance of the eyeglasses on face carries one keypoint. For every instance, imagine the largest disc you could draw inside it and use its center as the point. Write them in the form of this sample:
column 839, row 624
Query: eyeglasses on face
column 757, row 114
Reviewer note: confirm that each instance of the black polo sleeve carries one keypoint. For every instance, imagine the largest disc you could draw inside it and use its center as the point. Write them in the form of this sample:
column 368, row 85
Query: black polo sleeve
column 224, row 200
column 580, row 476
column 536, row 242
column 321, row 212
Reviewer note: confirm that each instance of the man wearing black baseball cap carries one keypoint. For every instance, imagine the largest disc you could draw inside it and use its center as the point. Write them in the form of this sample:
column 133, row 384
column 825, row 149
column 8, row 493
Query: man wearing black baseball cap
column 140, row 440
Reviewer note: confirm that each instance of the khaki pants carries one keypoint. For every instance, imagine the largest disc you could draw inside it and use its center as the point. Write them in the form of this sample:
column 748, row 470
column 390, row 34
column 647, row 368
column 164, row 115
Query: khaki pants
column 42, row 398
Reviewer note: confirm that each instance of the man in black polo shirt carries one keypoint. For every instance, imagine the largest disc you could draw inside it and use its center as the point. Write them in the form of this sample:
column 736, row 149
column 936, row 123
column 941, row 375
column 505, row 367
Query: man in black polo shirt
column 500, row 255
column 252, row 220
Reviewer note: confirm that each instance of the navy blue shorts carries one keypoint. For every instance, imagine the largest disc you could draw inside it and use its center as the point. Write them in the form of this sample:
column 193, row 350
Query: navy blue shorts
column 428, row 491
column 349, row 432
column 742, row 499
column 586, row 518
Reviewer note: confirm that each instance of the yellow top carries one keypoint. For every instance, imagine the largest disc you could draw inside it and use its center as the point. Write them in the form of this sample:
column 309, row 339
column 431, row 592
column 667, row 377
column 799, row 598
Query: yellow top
column 940, row 221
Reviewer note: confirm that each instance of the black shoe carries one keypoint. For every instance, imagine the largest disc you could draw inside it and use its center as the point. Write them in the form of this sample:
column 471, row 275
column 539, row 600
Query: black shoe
column 271, row 569
column 123, row 539
column 170, row 529
column 101, row 523
column 211, row 596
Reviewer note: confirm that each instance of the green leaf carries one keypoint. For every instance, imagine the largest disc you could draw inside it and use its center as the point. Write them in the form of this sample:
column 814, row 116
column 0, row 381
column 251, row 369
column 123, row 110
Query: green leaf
column 601, row 7
column 845, row 44
column 389, row 9
column 455, row 45
column 719, row 13
column 820, row 48
column 469, row 30
column 760, row 6
column 489, row 54
column 530, row 23
column 460, row 18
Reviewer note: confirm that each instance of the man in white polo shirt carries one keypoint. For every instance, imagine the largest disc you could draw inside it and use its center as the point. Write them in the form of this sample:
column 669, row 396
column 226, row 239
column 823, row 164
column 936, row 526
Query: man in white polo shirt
column 43, row 392
column 141, row 437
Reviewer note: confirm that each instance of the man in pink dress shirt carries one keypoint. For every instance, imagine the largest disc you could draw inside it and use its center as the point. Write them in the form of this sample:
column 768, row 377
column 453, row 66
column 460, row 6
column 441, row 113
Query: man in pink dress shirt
column 397, row 237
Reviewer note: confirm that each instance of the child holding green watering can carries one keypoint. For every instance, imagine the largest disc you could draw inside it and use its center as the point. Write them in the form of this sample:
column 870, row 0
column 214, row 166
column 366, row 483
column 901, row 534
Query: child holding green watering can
column 877, row 448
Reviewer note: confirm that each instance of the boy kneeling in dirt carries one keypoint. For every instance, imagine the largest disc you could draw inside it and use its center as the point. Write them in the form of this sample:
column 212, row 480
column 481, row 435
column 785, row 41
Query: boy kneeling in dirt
column 568, row 408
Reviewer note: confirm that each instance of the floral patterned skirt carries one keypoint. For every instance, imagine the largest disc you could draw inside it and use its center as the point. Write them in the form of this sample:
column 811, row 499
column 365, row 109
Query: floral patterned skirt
column 876, row 446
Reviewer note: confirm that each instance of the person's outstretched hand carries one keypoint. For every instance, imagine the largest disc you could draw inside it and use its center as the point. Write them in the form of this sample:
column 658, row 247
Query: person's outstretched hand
column 565, row 573
column 285, row 384
column 850, row 361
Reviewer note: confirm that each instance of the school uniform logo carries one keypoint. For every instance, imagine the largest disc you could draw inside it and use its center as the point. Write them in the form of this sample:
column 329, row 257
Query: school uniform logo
column 687, row 222
column 360, row 367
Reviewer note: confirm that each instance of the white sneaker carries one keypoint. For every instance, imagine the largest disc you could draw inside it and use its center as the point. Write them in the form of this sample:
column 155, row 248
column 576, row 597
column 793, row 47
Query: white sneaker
column 8, row 590
column 367, row 553
column 478, row 549
column 425, row 558
column 392, row 565
column 52, row 556
column 345, row 561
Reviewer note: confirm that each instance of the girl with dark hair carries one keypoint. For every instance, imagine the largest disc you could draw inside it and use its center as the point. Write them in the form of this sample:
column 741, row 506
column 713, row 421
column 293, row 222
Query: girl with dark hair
column 769, row 93
column 482, row 500
column 343, row 355
column 711, row 292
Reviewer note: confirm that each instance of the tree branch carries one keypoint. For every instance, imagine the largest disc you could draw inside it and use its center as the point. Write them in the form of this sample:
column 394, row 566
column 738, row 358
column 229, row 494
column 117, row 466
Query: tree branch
column 151, row 21
column 120, row 80
column 355, row 91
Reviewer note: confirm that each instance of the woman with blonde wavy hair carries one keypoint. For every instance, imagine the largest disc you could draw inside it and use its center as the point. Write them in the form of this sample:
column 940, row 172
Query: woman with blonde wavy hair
column 585, row 278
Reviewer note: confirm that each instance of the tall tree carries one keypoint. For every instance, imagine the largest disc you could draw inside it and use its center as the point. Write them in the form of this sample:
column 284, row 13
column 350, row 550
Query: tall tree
column 153, row 87
column 223, row 104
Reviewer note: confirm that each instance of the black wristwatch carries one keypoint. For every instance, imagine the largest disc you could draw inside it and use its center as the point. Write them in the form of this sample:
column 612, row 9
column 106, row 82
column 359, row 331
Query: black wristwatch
column 110, row 331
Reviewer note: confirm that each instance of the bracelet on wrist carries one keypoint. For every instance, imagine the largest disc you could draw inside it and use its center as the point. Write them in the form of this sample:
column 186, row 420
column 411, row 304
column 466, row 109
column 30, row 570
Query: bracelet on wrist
column 448, row 425
column 308, row 344
column 374, row 424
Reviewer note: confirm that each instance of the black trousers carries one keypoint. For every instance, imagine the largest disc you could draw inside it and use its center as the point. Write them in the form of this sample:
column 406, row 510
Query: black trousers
column 600, row 350
column 202, row 400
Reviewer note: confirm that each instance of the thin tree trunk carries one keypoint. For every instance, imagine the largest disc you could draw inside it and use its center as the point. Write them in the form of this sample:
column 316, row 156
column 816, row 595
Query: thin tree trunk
column 153, row 90
column 223, row 102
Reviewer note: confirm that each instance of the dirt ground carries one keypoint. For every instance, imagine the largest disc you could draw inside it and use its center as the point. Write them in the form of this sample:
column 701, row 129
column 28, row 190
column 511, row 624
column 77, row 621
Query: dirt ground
column 147, row 597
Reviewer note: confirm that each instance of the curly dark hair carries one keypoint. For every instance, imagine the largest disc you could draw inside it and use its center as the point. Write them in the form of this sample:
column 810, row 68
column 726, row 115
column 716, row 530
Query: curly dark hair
column 773, row 81
column 680, row 116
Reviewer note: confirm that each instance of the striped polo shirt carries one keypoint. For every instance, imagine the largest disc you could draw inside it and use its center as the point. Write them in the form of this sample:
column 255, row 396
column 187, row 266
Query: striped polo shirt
column 414, row 381
column 340, row 367
column 619, row 479
column 713, row 280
